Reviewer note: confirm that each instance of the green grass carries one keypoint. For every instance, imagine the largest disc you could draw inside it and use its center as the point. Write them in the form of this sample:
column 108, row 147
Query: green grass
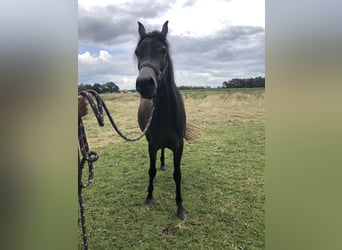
column 222, row 178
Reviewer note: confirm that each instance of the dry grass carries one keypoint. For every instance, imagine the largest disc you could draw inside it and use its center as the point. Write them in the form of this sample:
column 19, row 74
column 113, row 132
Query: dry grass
column 123, row 108
column 202, row 107
column 225, row 106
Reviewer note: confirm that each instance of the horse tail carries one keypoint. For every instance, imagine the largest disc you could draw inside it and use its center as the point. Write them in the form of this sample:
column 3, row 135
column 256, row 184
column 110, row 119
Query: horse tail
column 192, row 132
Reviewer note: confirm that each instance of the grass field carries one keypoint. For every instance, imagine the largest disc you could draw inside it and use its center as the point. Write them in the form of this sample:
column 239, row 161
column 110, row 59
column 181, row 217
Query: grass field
column 222, row 178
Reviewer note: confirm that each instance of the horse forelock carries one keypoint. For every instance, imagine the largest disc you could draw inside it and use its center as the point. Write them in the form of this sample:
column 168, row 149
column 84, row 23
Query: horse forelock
column 156, row 35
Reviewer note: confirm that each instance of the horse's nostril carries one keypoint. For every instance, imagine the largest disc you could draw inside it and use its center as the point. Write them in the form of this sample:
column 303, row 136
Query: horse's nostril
column 150, row 84
column 145, row 82
column 146, row 86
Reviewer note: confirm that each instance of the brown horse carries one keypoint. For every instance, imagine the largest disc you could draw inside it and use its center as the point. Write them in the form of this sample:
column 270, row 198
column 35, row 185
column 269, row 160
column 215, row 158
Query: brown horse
column 157, row 87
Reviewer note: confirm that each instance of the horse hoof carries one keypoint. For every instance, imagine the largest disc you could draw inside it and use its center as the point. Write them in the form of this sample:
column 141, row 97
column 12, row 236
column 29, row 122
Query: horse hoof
column 181, row 214
column 149, row 202
column 163, row 167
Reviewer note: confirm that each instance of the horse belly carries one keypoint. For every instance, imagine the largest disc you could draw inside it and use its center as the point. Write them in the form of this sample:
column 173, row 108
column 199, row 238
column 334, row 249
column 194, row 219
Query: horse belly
column 165, row 139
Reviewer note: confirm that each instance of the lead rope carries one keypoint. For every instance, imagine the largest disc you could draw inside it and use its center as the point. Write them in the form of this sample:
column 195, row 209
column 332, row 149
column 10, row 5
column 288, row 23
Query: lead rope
column 92, row 156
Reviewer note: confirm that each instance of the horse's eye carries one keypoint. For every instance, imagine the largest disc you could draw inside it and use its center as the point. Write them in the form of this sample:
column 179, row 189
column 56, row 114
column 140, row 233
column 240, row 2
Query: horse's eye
column 163, row 51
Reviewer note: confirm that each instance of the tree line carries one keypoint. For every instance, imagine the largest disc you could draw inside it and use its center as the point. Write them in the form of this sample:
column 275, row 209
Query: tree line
column 109, row 87
column 257, row 82
column 193, row 87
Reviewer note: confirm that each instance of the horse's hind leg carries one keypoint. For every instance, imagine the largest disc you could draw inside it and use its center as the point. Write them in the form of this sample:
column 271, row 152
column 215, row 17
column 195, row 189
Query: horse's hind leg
column 152, row 173
column 177, row 156
column 162, row 160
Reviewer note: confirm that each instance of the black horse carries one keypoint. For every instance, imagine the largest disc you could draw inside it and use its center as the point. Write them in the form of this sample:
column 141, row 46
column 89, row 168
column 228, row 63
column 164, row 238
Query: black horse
column 157, row 87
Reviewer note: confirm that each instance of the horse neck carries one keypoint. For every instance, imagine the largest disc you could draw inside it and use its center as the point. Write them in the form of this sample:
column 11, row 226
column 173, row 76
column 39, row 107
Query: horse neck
column 166, row 93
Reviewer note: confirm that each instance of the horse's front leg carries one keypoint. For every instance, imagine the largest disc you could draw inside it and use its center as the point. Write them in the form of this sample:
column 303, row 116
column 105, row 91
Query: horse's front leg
column 177, row 156
column 152, row 173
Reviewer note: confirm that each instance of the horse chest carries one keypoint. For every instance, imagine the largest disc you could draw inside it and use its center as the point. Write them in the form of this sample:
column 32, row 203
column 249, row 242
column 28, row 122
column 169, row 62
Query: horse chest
column 164, row 135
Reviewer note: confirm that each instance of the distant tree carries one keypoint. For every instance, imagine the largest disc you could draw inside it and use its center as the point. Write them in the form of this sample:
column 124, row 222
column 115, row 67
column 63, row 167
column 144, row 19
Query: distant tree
column 193, row 87
column 184, row 87
column 257, row 82
column 111, row 87
column 98, row 88
column 83, row 87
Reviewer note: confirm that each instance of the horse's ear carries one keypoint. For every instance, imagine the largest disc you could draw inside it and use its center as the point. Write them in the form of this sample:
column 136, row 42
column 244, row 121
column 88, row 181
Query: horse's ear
column 165, row 28
column 142, row 31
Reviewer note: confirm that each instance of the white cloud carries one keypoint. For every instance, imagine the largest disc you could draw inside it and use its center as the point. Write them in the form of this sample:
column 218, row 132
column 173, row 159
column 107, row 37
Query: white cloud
column 205, row 17
column 247, row 12
column 85, row 57
column 104, row 55
column 88, row 4
column 103, row 58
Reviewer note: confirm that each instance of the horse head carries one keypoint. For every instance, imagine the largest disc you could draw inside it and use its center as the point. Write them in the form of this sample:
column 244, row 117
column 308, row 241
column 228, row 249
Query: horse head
column 152, row 56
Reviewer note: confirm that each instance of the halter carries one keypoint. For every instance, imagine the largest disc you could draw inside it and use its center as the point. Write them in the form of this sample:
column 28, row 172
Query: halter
column 160, row 73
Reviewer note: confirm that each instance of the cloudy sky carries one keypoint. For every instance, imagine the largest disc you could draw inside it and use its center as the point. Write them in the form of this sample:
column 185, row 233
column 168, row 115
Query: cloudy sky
column 211, row 41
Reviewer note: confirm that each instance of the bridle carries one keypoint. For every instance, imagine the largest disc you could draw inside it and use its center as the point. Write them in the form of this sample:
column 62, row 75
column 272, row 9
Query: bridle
column 159, row 73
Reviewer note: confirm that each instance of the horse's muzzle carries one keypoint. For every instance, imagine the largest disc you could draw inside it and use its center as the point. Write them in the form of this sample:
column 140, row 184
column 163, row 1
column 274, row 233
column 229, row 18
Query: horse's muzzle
column 146, row 83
